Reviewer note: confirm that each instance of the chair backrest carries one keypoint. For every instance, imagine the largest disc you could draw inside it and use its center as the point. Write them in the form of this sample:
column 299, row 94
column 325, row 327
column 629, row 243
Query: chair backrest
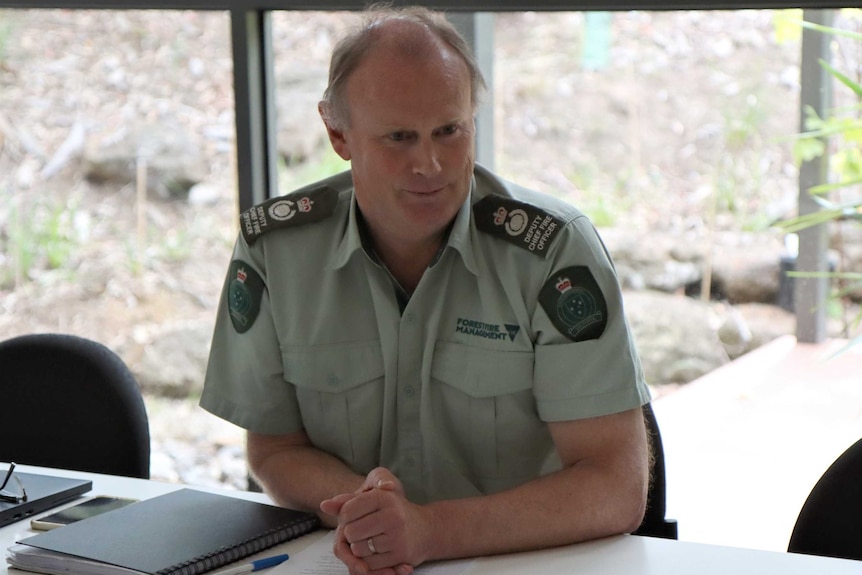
column 655, row 524
column 72, row 403
column 830, row 521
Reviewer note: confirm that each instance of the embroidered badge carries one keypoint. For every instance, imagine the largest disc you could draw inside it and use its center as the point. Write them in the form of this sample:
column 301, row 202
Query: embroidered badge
column 575, row 304
column 294, row 209
column 520, row 223
column 244, row 292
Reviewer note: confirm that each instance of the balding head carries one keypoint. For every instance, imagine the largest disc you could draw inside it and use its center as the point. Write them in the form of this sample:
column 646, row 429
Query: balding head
column 409, row 33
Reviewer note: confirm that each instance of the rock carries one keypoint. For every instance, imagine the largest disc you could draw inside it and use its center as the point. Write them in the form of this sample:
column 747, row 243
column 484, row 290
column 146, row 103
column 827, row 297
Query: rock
column 676, row 336
column 746, row 266
column 170, row 361
column 765, row 322
column 735, row 333
column 301, row 134
column 661, row 264
column 173, row 158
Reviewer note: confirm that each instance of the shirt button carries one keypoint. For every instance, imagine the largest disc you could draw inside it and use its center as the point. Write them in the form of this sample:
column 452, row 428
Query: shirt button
column 410, row 318
column 332, row 380
column 409, row 390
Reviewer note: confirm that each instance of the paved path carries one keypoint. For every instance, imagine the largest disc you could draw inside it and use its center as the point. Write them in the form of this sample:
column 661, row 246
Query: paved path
column 746, row 443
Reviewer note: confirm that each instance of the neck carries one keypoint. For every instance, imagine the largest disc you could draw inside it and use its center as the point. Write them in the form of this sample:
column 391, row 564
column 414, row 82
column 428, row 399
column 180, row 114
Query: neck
column 407, row 263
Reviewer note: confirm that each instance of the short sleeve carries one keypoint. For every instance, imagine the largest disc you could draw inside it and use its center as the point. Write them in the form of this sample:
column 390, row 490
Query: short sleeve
column 586, row 361
column 244, row 381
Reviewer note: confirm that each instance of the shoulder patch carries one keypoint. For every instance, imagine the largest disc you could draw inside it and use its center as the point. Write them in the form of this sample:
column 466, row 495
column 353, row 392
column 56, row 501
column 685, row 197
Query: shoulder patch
column 244, row 292
column 575, row 303
column 522, row 224
column 296, row 209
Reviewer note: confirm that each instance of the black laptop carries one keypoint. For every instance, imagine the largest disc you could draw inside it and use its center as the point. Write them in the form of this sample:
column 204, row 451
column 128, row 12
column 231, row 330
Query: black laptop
column 43, row 493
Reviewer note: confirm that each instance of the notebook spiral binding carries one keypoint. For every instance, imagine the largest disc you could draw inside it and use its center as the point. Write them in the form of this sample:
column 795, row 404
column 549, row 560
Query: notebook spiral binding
column 239, row 551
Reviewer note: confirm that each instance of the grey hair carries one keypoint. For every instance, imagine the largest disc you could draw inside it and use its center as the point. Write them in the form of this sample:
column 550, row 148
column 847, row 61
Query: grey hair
column 350, row 51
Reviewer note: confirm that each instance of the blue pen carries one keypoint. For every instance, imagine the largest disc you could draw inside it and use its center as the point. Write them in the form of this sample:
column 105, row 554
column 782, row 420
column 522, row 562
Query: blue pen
column 255, row 565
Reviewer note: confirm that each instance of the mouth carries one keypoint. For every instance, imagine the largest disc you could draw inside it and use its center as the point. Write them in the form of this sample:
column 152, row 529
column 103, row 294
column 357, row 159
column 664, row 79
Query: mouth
column 425, row 190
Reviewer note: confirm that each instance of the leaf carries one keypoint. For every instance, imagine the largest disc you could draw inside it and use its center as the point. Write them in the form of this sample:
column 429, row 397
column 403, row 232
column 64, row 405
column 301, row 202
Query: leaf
column 824, row 188
column 786, row 24
column 831, row 30
column 807, row 150
column 857, row 89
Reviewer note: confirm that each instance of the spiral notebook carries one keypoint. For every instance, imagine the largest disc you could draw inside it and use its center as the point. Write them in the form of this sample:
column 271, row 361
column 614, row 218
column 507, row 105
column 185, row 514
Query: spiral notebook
column 186, row 532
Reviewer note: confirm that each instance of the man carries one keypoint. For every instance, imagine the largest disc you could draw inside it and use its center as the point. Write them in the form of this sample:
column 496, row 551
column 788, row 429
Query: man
column 432, row 358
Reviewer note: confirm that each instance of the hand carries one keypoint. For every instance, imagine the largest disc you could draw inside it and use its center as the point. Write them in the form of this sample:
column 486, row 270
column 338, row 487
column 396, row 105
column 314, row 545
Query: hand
column 377, row 527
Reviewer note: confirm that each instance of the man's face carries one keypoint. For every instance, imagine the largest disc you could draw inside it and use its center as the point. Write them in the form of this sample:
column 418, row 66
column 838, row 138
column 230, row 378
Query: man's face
column 410, row 144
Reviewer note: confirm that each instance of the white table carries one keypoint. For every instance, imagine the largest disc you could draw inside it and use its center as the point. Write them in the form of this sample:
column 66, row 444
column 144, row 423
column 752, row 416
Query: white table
column 624, row 554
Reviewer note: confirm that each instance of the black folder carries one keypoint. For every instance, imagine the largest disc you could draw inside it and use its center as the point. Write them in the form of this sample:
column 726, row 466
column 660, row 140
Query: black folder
column 185, row 532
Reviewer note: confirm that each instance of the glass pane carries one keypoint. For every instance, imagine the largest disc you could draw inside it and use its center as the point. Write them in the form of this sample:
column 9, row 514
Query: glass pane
column 119, row 200
column 302, row 44
column 651, row 119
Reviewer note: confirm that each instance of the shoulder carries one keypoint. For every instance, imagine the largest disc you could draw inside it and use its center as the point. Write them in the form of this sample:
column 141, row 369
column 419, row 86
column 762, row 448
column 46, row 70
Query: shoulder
column 313, row 203
column 525, row 218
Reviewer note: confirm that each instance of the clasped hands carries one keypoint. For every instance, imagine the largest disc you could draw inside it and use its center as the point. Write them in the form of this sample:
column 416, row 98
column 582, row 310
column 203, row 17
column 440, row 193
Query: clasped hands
column 379, row 531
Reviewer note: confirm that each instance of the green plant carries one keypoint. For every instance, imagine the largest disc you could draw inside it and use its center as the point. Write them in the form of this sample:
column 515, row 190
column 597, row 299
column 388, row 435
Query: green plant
column 5, row 35
column 40, row 237
column 326, row 164
column 842, row 128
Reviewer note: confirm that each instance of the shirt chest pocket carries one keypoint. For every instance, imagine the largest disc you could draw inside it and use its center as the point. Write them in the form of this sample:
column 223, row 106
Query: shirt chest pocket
column 339, row 388
column 490, row 413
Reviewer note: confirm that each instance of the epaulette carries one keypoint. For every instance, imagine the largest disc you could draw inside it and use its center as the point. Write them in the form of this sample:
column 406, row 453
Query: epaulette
column 522, row 224
column 295, row 209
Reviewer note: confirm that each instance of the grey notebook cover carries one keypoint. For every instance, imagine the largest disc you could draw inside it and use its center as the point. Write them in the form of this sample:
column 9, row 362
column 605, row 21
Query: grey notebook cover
column 43, row 492
column 184, row 532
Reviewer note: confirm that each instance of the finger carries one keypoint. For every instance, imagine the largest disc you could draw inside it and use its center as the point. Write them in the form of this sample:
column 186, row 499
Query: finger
column 332, row 506
column 380, row 477
column 386, row 563
column 403, row 569
column 341, row 549
column 370, row 546
column 361, row 505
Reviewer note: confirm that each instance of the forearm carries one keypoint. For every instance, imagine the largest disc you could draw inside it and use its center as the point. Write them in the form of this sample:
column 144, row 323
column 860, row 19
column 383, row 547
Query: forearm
column 600, row 491
column 298, row 475
column 576, row 504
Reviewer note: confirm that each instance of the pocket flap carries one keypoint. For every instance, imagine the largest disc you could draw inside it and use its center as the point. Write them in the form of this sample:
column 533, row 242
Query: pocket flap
column 482, row 372
column 333, row 368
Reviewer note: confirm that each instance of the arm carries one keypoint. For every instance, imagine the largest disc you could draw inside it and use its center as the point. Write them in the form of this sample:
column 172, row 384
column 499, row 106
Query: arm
column 600, row 491
column 296, row 474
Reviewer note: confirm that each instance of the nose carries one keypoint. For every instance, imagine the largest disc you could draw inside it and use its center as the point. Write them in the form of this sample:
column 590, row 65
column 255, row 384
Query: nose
column 426, row 159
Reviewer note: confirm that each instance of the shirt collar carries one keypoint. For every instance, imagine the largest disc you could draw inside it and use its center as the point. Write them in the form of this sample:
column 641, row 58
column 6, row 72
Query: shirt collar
column 460, row 236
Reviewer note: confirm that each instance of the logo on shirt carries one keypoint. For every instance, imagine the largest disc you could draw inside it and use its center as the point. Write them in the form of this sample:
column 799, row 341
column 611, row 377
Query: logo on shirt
column 283, row 210
column 575, row 303
column 486, row 330
column 519, row 223
column 244, row 293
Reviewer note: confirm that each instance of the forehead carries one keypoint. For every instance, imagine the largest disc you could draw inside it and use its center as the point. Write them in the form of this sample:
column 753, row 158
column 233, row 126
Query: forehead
column 390, row 83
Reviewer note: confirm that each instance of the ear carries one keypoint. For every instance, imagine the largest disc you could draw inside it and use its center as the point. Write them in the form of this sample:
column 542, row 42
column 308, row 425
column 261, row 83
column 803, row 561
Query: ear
column 336, row 137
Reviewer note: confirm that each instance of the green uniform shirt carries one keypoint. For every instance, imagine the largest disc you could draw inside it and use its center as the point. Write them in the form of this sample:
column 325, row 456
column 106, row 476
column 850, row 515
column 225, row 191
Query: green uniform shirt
column 518, row 322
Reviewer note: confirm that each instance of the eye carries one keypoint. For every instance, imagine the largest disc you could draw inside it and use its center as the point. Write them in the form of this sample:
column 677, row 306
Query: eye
column 401, row 136
column 448, row 130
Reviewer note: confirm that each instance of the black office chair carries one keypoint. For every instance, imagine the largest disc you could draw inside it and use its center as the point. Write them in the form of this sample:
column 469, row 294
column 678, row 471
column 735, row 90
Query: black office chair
column 830, row 521
column 655, row 524
column 72, row 403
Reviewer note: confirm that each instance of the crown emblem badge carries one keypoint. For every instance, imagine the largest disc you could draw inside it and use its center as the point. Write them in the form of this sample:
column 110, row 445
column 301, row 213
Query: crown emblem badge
column 241, row 275
column 563, row 285
column 500, row 216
